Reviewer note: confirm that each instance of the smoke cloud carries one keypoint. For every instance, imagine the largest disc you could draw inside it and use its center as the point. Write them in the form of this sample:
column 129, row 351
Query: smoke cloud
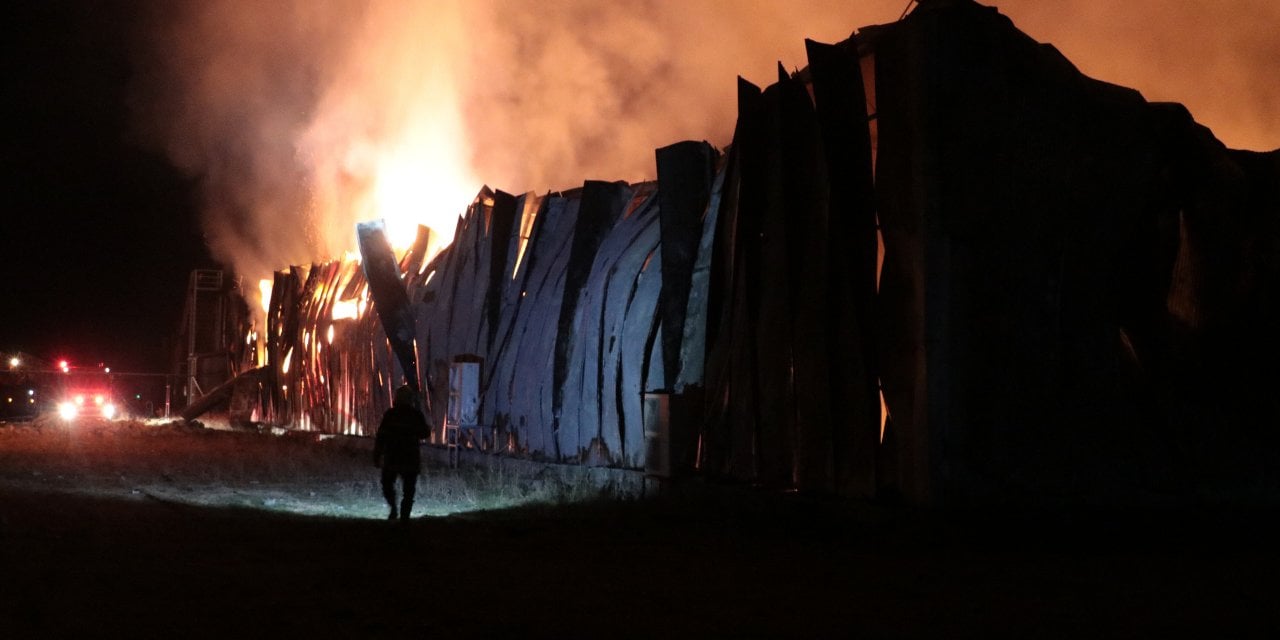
column 300, row 118
column 1221, row 59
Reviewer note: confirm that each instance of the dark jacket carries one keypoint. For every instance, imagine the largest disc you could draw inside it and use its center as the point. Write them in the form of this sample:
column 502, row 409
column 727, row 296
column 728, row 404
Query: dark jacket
column 396, row 445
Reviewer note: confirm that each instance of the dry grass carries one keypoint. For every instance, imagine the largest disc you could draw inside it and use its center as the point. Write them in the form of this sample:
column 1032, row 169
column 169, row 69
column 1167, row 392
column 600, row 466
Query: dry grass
column 296, row 473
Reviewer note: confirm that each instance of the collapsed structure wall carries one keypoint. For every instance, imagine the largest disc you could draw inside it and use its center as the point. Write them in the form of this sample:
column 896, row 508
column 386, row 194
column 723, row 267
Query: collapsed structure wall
column 939, row 263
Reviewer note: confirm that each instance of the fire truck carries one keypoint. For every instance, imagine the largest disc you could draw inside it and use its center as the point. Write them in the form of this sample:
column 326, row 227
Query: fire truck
column 87, row 396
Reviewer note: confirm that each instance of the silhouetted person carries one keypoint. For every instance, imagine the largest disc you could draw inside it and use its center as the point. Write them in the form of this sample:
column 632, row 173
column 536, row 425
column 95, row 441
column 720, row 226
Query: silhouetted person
column 395, row 450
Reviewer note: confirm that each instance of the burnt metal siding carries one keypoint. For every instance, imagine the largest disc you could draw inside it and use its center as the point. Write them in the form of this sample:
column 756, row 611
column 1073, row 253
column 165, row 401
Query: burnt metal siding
column 693, row 343
column 629, row 283
column 497, row 374
column 502, row 243
column 686, row 173
column 789, row 395
column 729, row 434
column 601, row 205
column 387, row 289
column 340, row 387
column 841, row 106
column 589, row 304
column 1033, row 338
column 530, row 396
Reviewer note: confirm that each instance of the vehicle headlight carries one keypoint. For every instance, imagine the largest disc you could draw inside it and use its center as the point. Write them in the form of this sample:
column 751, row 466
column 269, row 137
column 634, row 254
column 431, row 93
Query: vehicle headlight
column 67, row 410
column 108, row 410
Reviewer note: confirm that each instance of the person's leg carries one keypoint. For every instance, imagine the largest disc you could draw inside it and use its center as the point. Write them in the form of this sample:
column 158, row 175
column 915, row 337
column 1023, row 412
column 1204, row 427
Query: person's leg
column 410, row 481
column 389, row 489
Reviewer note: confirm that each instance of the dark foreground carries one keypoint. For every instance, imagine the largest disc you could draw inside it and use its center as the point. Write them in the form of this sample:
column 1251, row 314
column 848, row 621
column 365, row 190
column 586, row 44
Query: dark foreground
column 719, row 563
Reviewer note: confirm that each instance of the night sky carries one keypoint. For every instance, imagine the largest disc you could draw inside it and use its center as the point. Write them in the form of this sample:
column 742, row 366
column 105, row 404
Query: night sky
column 99, row 232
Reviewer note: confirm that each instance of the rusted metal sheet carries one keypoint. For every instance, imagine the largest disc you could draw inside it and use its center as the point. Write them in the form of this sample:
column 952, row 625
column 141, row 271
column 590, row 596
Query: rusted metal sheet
column 686, row 171
column 803, row 209
column 535, row 327
column 467, row 273
column 221, row 395
column 583, row 390
column 693, row 346
column 600, row 206
column 315, row 379
column 737, row 382
column 282, row 328
column 725, row 324
column 902, row 159
column 503, row 224
column 387, row 290
column 638, row 341
column 435, row 297
column 309, row 368
column 497, row 376
column 763, row 199
column 841, row 107
column 770, row 395
column 603, row 340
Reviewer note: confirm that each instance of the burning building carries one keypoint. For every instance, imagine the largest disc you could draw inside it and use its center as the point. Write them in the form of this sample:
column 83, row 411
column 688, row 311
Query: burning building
column 939, row 262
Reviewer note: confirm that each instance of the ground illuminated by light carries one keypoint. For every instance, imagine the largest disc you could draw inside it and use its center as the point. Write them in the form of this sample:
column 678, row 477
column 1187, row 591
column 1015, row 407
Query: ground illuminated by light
column 299, row 474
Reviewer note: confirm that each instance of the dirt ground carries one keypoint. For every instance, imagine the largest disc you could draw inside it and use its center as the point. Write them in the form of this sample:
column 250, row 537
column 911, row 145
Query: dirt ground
column 703, row 561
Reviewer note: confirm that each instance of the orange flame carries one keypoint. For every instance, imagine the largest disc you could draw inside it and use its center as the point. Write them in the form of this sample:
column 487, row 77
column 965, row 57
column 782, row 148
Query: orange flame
column 264, row 294
column 347, row 309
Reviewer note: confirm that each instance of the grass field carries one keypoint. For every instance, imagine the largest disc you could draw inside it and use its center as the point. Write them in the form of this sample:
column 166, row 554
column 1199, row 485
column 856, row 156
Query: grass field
column 296, row 472
column 166, row 530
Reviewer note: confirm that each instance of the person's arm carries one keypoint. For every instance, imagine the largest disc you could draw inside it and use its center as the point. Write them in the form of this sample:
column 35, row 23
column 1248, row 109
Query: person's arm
column 424, row 427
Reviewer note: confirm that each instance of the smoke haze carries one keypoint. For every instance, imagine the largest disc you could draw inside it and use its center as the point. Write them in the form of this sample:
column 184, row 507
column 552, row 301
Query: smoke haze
column 301, row 118
column 1221, row 59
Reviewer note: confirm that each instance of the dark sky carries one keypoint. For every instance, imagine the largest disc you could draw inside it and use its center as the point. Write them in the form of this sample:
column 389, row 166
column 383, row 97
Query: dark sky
column 99, row 232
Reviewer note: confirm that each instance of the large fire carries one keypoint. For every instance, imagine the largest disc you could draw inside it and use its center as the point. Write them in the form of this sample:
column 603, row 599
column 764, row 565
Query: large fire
column 303, row 118
column 420, row 184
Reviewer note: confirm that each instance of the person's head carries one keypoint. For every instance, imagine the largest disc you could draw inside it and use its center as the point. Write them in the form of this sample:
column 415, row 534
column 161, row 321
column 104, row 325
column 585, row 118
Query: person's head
column 405, row 396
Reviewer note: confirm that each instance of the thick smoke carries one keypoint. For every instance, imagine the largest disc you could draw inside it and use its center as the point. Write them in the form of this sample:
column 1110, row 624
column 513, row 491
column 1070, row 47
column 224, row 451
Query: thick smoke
column 575, row 89
column 1221, row 59
column 300, row 118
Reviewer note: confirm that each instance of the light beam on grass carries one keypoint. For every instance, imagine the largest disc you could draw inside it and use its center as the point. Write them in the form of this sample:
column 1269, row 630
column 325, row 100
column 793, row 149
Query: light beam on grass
column 219, row 467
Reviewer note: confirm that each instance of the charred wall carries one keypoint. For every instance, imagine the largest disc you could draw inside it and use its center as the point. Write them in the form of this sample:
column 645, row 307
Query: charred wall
column 1052, row 234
